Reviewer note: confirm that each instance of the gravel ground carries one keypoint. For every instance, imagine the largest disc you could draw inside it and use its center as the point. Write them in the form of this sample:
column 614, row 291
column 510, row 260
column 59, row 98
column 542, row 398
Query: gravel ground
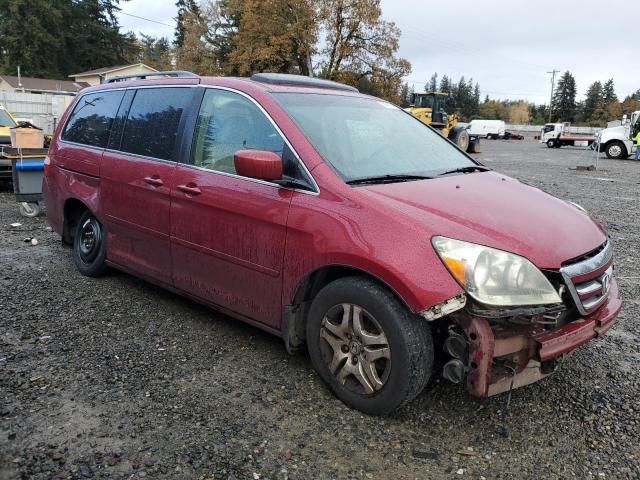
column 115, row 378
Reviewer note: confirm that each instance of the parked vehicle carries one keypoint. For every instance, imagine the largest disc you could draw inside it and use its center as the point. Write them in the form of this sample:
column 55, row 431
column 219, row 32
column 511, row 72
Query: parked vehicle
column 332, row 219
column 557, row 135
column 513, row 136
column 6, row 122
column 617, row 142
column 431, row 109
column 493, row 129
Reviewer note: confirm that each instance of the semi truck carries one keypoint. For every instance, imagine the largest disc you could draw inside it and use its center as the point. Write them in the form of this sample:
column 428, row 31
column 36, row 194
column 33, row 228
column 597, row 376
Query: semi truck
column 556, row 135
column 617, row 142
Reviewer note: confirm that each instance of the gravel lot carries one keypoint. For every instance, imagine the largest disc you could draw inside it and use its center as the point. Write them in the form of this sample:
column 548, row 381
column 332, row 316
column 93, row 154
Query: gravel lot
column 115, row 378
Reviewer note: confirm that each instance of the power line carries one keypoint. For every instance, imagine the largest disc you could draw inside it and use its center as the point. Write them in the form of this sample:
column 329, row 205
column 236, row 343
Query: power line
column 146, row 19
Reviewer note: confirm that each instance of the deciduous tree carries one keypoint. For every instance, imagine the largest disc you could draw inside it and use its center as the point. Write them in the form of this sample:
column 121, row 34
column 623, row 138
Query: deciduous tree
column 360, row 43
column 273, row 36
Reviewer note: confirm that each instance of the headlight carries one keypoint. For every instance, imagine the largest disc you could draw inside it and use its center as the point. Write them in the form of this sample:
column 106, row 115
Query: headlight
column 495, row 277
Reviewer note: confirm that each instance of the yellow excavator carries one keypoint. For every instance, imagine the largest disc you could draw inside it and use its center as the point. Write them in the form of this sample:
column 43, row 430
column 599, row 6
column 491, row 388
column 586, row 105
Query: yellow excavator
column 430, row 108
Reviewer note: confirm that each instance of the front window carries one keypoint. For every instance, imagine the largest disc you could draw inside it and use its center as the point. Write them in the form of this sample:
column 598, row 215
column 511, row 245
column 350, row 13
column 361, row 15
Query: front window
column 367, row 138
column 549, row 128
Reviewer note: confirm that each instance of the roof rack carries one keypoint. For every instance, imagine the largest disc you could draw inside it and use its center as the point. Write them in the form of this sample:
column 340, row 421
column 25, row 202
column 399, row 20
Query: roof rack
column 142, row 76
column 299, row 80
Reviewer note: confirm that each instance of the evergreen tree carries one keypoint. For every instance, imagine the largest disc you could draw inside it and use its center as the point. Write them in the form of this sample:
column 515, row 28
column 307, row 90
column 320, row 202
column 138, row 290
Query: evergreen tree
column 39, row 49
column 404, row 95
column 564, row 98
column 593, row 100
column 445, row 85
column 432, row 86
column 609, row 92
column 55, row 38
column 185, row 8
column 156, row 53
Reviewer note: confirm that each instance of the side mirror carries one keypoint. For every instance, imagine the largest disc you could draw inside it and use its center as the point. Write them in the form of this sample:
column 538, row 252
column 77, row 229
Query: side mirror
column 258, row 164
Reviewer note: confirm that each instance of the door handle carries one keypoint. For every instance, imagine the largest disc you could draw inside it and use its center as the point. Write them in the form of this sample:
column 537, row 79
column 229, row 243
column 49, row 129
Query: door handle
column 189, row 189
column 154, row 181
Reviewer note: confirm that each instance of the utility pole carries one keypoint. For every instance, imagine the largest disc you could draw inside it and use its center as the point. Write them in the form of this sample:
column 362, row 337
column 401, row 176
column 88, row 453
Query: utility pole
column 553, row 81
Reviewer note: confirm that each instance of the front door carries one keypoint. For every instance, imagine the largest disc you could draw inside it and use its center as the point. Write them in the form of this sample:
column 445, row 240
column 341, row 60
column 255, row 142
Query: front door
column 137, row 174
column 228, row 232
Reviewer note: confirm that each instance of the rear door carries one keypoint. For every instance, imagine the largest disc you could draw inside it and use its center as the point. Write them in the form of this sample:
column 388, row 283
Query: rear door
column 228, row 232
column 137, row 173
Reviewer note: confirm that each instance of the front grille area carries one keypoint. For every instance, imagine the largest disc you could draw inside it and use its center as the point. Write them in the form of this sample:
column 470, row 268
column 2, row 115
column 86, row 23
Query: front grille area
column 588, row 279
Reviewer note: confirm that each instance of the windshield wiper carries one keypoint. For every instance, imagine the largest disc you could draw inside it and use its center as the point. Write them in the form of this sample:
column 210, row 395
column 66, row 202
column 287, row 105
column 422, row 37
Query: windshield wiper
column 469, row 169
column 387, row 179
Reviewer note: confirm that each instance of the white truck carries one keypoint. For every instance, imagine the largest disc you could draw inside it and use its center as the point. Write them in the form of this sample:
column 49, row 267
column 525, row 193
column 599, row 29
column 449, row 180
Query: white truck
column 487, row 128
column 617, row 142
column 556, row 135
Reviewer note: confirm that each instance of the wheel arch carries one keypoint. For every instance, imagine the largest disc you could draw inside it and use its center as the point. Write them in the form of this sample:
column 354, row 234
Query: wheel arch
column 72, row 211
column 295, row 312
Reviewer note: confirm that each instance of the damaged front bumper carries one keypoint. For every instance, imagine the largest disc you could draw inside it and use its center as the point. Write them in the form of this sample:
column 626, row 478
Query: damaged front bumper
column 503, row 357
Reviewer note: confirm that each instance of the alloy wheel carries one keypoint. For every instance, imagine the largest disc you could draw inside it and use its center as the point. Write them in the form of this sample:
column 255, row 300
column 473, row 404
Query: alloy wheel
column 355, row 348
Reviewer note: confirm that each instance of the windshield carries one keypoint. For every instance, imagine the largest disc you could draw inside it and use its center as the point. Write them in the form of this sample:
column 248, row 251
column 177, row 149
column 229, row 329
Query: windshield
column 423, row 101
column 366, row 138
column 5, row 119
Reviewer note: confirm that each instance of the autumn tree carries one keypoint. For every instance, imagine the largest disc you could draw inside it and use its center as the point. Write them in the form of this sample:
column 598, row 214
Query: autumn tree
column 186, row 10
column 359, row 43
column 518, row 112
column 273, row 36
column 564, row 98
column 195, row 54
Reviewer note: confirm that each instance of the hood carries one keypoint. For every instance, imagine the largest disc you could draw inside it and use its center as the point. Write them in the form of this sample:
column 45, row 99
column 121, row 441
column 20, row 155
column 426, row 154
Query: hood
column 494, row 210
column 613, row 133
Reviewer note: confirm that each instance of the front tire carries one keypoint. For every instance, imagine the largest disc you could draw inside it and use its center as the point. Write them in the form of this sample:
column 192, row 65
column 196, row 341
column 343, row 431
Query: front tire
column 89, row 246
column 460, row 136
column 372, row 352
column 616, row 150
column 551, row 143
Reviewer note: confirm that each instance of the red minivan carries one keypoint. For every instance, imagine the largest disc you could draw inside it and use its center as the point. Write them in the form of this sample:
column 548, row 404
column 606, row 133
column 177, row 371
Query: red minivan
column 334, row 220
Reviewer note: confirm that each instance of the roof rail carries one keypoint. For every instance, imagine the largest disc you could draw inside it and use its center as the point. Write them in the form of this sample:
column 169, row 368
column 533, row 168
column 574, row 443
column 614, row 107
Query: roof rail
column 300, row 80
column 142, row 76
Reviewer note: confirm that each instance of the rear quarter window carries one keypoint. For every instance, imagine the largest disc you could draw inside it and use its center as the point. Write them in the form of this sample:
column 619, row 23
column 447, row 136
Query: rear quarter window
column 92, row 117
column 151, row 128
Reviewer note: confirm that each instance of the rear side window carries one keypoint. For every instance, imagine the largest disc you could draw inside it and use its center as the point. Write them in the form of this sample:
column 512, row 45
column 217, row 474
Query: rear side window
column 91, row 119
column 151, row 128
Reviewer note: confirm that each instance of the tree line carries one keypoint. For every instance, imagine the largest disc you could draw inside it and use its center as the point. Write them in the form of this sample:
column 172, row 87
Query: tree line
column 599, row 106
column 343, row 40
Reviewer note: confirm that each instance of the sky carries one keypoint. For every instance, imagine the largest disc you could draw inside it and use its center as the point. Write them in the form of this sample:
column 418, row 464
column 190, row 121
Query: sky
column 507, row 47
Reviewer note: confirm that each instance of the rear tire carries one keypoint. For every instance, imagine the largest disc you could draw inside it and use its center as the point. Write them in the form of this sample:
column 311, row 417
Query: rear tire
column 373, row 353
column 90, row 246
column 616, row 150
column 460, row 136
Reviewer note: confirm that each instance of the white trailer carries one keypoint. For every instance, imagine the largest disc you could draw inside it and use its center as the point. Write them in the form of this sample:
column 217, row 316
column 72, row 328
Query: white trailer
column 487, row 128
column 617, row 142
